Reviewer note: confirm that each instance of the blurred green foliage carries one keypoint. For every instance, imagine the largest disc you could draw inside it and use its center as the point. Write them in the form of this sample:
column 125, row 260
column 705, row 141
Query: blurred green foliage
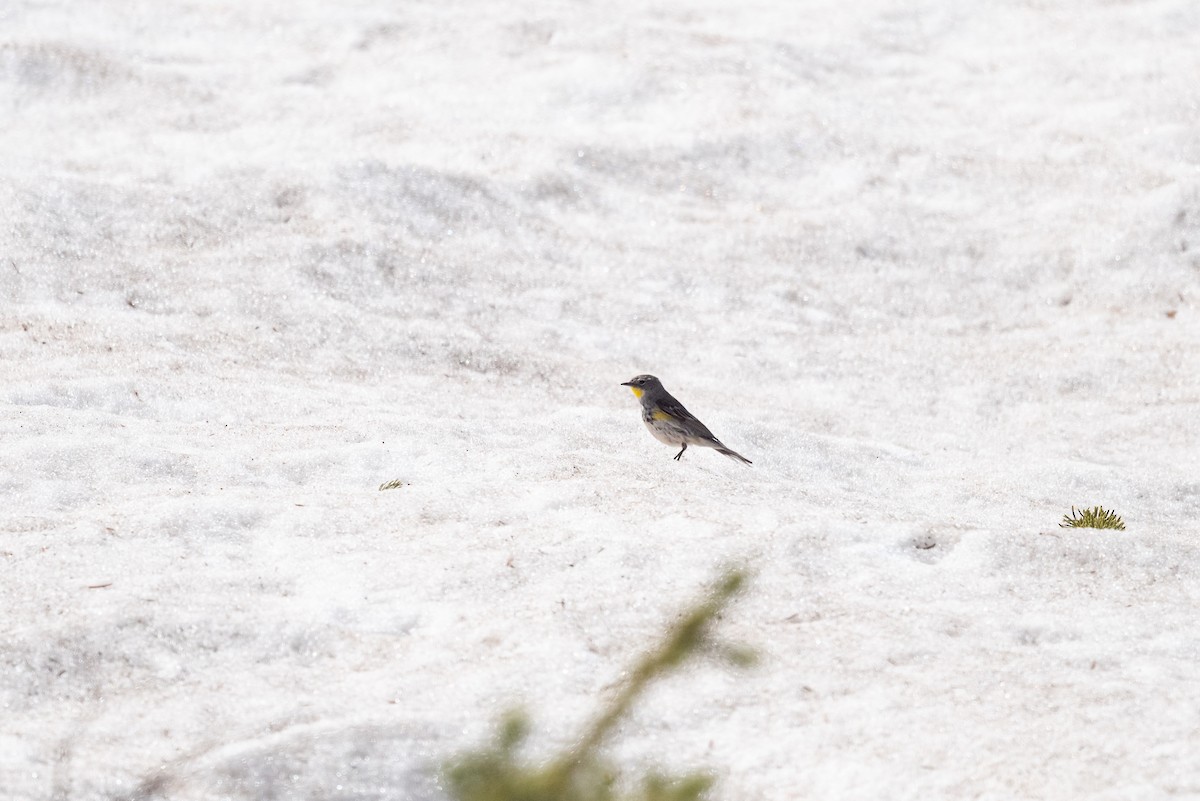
column 498, row 773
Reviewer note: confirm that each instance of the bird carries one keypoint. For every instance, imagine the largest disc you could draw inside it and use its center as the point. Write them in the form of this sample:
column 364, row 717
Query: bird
column 670, row 423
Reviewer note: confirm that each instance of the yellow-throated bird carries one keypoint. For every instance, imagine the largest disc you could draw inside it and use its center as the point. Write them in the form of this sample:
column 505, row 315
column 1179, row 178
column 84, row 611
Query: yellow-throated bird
column 669, row 422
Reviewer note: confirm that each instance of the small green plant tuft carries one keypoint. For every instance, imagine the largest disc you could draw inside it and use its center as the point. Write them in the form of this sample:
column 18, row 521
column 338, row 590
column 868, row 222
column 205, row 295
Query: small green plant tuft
column 395, row 483
column 581, row 773
column 1096, row 517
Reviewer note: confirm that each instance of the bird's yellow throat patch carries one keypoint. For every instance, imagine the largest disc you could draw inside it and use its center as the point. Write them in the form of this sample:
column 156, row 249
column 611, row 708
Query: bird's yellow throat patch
column 637, row 393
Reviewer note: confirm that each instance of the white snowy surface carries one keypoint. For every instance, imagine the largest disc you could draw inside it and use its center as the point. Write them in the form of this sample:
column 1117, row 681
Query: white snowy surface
column 934, row 266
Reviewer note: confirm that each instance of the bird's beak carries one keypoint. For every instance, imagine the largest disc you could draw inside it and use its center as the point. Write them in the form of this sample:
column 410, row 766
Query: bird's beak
column 627, row 383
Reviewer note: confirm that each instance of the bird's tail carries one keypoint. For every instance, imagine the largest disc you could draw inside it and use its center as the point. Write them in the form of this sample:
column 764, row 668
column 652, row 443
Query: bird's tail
column 733, row 454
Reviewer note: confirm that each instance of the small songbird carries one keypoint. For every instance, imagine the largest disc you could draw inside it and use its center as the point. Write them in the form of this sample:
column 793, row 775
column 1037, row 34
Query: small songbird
column 669, row 422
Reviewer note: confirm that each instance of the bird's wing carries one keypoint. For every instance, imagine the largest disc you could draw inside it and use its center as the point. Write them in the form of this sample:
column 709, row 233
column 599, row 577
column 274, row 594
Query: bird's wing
column 674, row 408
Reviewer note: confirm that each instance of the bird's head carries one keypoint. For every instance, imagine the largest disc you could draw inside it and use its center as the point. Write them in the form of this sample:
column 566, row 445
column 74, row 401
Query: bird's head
column 639, row 385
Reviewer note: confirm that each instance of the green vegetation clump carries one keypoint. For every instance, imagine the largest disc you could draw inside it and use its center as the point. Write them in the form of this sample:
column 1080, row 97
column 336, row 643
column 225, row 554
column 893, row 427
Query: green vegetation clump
column 581, row 773
column 1096, row 517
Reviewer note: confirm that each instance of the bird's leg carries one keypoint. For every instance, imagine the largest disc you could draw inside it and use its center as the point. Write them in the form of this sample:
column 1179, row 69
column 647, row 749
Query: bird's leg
column 684, row 444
